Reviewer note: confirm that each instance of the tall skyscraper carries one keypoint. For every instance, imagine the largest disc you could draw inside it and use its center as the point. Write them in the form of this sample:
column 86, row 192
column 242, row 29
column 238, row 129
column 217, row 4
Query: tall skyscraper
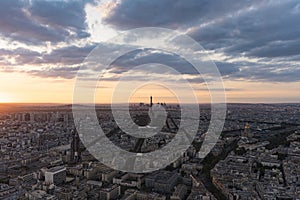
column 151, row 103
column 75, row 146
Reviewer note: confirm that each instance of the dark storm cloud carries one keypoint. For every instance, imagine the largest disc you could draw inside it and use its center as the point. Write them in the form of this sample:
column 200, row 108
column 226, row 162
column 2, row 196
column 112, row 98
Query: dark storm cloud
column 40, row 21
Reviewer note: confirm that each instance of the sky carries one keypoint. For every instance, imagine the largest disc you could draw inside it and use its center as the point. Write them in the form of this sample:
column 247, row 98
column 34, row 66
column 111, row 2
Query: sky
column 255, row 45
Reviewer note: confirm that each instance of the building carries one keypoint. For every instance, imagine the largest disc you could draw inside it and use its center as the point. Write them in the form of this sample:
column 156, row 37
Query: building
column 39, row 194
column 150, row 196
column 55, row 175
column 75, row 147
column 129, row 180
column 179, row 193
column 151, row 103
column 8, row 192
column 110, row 192
column 162, row 181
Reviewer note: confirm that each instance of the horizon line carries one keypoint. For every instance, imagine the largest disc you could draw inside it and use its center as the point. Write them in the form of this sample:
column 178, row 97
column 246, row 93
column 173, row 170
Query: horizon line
column 56, row 103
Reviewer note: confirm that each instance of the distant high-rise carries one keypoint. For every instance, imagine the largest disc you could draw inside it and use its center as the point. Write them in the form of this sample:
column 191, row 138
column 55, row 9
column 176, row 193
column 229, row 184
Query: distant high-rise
column 27, row 117
column 151, row 103
column 75, row 146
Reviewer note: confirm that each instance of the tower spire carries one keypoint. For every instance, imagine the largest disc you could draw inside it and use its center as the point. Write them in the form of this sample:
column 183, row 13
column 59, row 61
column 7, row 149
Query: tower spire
column 151, row 103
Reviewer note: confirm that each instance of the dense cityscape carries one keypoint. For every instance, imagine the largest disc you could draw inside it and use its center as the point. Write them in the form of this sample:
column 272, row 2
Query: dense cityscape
column 256, row 157
column 149, row 100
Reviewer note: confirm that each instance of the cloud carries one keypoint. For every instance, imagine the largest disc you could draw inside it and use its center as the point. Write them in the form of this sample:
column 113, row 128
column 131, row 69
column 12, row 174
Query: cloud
column 277, row 49
column 257, row 40
column 168, row 13
column 16, row 24
column 176, row 62
column 256, row 29
column 266, row 72
column 72, row 57
column 66, row 72
column 60, row 63
column 55, row 72
column 11, row 57
column 35, row 22
column 147, row 56
column 265, row 31
column 221, row 89
column 61, row 14
column 69, row 55
column 268, row 30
